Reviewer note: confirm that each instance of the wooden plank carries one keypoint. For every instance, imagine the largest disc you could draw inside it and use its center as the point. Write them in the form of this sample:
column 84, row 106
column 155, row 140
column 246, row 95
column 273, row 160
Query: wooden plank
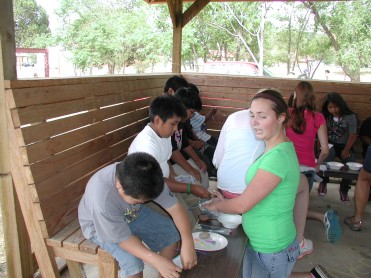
column 89, row 247
column 63, row 234
column 47, row 167
column 55, row 94
column 43, row 254
column 74, row 240
column 40, row 113
column 50, row 82
column 44, row 149
column 74, row 256
column 52, row 185
column 44, row 130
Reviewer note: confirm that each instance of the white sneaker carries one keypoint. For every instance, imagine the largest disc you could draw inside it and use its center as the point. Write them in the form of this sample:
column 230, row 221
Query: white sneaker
column 306, row 247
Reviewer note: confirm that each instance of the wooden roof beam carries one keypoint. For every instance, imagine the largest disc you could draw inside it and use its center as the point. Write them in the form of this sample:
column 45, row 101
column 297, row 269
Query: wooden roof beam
column 193, row 10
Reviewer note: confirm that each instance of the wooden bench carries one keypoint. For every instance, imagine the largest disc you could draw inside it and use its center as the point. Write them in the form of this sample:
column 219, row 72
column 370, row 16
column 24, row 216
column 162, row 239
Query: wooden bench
column 60, row 133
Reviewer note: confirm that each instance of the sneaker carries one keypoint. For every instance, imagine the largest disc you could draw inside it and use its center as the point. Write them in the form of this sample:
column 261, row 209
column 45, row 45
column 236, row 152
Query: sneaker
column 306, row 247
column 344, row 197
column 319, row 272
column 322, row 188
column 333, row 229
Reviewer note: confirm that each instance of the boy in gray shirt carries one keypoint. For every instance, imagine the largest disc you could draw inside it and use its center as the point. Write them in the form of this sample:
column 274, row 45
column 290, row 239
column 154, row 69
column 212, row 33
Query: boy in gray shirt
column 111, row 215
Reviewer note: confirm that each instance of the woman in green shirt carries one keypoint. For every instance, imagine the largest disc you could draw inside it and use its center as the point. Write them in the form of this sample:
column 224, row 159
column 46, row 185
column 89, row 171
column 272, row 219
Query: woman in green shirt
column 268, row 201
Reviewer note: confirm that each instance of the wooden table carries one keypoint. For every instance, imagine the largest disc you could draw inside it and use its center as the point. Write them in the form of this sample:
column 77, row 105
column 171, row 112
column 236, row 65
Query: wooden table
column 344, row 173
column 225, row 263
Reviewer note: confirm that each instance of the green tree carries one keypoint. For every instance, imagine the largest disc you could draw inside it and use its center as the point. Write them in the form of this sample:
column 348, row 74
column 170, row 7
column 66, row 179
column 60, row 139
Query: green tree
column 347, row 26
column 31, row 24
column 112, row 33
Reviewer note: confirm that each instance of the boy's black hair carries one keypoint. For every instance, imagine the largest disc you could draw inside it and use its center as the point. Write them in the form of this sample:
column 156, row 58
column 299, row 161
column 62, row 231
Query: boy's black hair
column 175, row 82
column 338, row 100
column 166, row 106
column 140, row 176
column 198, row 101
column 187, row 97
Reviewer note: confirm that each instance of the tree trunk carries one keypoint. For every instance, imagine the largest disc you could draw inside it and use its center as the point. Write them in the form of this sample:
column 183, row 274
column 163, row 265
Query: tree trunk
column 355, row 76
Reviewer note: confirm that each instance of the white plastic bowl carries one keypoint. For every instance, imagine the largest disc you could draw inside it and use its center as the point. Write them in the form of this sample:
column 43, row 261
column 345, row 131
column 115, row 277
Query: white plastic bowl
column 230, row 221
column 335, row 165
column 354, row 166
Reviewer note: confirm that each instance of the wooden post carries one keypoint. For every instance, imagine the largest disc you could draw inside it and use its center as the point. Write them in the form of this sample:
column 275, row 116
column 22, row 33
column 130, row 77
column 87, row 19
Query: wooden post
column 9, row 65
column 17, row 245
column 177, row 18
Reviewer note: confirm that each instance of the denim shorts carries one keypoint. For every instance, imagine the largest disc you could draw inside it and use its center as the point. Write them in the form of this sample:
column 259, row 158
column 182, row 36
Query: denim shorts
column 272, row 265
column 155, row 230
column 310, row 177
column 367, row 161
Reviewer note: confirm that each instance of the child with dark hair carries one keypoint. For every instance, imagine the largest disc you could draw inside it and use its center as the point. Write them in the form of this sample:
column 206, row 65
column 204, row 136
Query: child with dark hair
column 198, row 123
column 111, row 215
column 192, row 164
column 165, row 113
column 342, row 133
column 174, row 83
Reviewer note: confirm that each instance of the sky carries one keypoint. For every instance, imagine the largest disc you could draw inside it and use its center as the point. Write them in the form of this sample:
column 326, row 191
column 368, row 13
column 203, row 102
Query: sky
column 50, row 6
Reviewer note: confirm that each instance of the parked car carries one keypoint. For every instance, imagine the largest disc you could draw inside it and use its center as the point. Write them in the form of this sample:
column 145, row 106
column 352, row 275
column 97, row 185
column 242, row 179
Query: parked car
column 235, row 67
column 28, row 64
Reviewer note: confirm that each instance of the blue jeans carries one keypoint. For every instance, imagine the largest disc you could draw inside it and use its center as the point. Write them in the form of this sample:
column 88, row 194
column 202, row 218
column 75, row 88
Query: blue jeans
column 270, row 265
column 155, row 230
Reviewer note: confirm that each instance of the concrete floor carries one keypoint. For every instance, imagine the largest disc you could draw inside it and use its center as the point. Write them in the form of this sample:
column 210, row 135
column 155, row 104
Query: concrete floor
column 349, row 257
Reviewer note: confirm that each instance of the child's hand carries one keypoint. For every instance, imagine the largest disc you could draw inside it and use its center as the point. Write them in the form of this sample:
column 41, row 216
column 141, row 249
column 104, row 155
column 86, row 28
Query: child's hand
column 345, row 154
column 196, row 174
column 202, row 165
column 188, row 255
column 199, row 191
column 167, row 268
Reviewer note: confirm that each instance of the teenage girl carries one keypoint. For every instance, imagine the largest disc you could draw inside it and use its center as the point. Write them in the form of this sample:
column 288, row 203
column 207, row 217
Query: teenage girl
column 342, row 133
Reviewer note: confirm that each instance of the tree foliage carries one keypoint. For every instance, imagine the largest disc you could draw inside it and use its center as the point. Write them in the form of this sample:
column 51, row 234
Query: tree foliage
column 31, row 24
column 119, row 33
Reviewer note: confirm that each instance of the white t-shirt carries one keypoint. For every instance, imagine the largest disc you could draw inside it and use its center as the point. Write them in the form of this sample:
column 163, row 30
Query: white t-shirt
column 236, row 150
column 149, row 142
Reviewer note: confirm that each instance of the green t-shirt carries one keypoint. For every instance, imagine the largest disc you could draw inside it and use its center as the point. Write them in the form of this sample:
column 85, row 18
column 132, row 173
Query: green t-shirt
column 270, row 224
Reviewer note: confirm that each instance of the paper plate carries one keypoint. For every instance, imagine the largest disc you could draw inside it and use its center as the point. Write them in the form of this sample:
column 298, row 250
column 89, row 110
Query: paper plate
column 177, row 261
column 213, row 243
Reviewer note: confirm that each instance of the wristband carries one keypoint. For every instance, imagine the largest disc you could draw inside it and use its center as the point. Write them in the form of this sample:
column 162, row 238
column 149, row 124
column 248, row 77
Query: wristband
column 189, row 188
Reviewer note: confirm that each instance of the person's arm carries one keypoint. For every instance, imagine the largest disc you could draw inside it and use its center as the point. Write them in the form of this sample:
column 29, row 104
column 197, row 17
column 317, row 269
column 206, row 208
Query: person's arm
column 181, row 221
column 346, row 152
column 179, row 159
column 210, row 114
column 196, row 144
column 252, row 195
column 323, row 141
column 134, row 246
column 180, row 187
column 199, row 162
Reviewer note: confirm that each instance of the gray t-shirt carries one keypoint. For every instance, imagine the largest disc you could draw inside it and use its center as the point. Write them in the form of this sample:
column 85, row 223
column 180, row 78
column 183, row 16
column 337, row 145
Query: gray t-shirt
column 104, row 214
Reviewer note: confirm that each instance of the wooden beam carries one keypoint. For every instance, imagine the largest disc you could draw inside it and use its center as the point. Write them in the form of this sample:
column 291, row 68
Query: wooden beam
column 177, row 36
column 8, row 40
column 193, row 10
column 170, row 5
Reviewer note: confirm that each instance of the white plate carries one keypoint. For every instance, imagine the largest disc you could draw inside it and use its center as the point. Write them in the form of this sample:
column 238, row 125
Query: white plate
column 213, row 243
column 178, row 261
